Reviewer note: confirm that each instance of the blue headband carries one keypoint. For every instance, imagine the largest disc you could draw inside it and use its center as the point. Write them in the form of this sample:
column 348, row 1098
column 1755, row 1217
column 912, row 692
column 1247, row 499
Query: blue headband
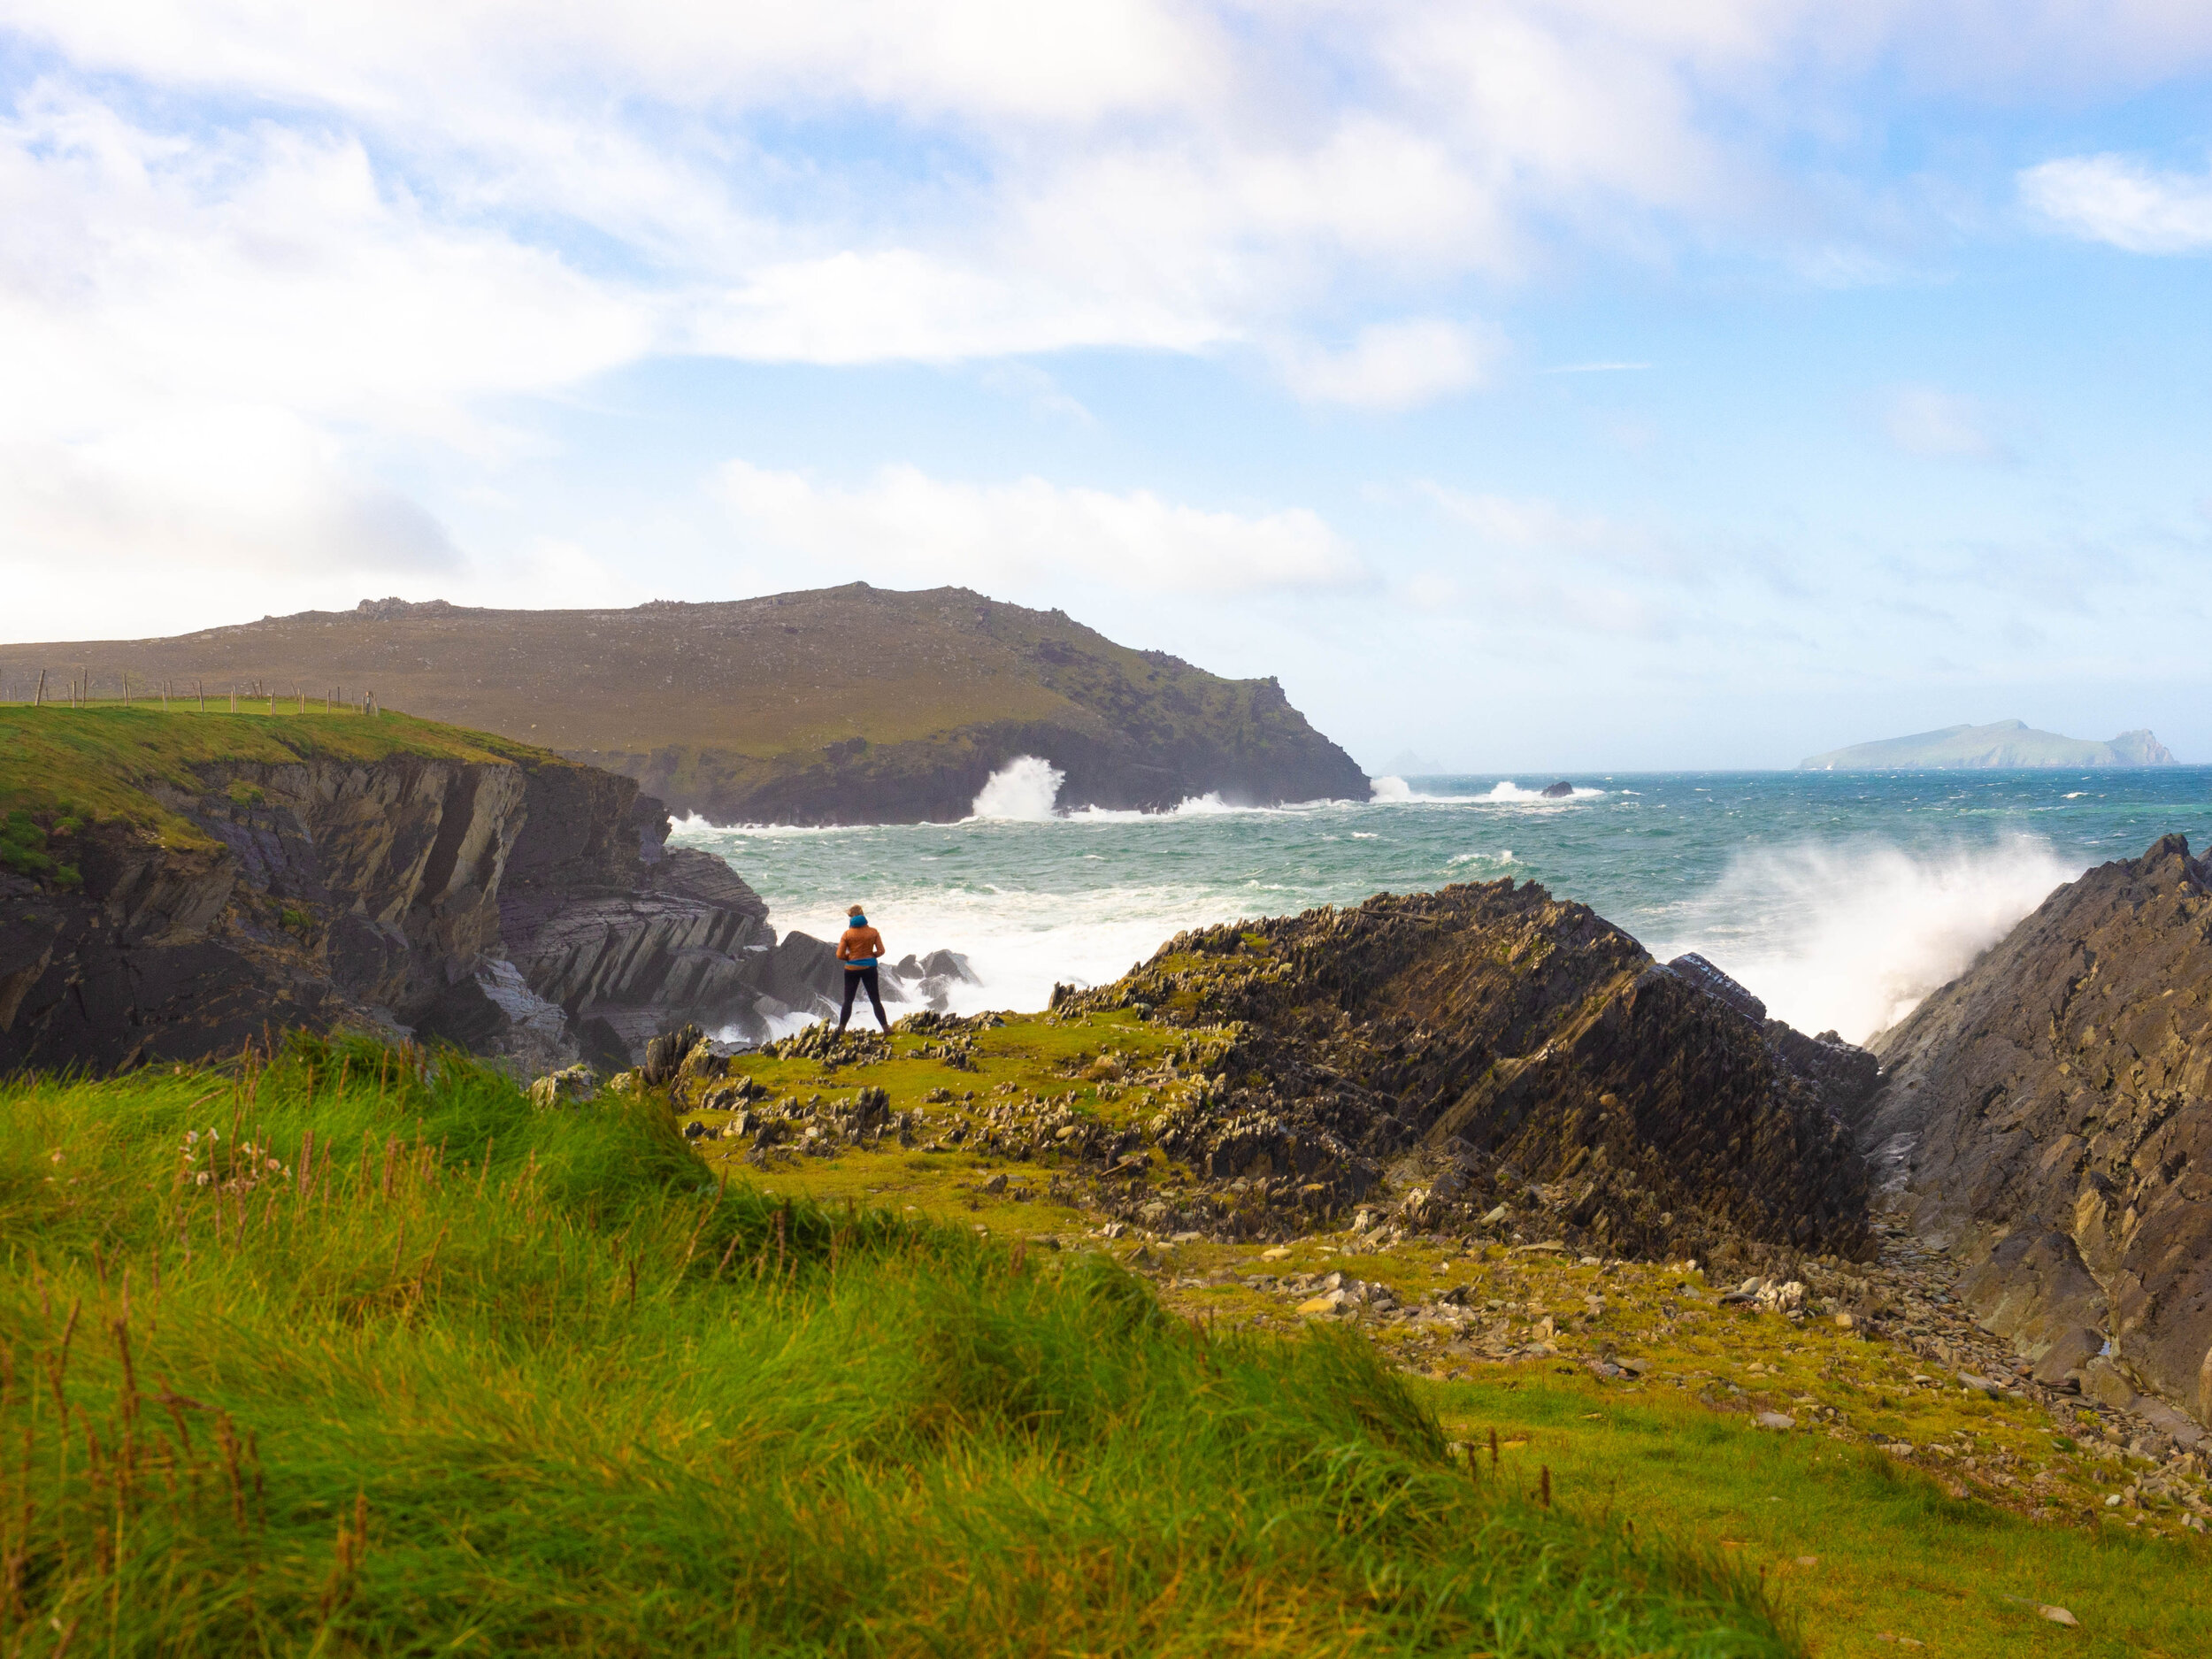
column 856, row 920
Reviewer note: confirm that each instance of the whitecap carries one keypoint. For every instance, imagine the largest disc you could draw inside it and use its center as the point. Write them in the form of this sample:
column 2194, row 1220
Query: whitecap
column 1022, row 791
column 1396, row 792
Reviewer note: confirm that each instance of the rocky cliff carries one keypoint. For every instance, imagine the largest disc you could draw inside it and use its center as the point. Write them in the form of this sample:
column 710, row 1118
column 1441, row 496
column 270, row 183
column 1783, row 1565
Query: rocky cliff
column 509, row 902
column 850, row 704
column 1511, row 1049
column 2049, row 1118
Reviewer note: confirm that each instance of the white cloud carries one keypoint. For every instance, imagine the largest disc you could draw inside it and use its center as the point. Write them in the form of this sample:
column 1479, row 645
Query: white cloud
column 1520, row 524
column 2113, row 199
column 216, row 348
column 342, row 239
column 1393, row 366
column 1941, row 426
column 1021, row 537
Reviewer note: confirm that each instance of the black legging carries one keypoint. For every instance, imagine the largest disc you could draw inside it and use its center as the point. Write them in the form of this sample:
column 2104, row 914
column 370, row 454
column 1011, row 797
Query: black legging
column 854, row 979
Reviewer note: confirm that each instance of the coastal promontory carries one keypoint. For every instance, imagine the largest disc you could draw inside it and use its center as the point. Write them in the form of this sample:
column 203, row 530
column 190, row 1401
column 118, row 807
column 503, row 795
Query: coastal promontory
column 842, row 705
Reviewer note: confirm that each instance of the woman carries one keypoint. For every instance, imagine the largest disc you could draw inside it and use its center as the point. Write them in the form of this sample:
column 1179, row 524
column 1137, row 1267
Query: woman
column 859, row 950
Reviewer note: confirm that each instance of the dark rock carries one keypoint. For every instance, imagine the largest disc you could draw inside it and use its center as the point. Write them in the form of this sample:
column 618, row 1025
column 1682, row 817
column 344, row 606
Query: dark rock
column 1558, row 791
column 1713, row 982
column 949, row 965
column 1535, row 1041
column 2047, row 1118
column 666, row 1052
column 333, row 893
column 396, row 896
column 492, row 1011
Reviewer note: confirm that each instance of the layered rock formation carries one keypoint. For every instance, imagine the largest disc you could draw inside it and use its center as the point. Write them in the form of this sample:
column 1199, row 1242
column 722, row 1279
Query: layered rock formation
column 1506, row 1048
column 845, row 705
column 2049, row 1118
column 526, row 908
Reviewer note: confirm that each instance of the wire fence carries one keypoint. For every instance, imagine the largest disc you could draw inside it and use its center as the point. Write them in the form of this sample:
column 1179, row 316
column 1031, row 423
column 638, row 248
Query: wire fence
column 76, row 690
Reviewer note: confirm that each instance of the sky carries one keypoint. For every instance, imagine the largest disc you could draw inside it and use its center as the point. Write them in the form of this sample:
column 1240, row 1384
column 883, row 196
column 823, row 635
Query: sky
column 1539, row 384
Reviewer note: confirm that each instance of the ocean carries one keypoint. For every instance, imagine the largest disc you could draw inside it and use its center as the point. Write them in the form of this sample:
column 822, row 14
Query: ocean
column 1841, row 899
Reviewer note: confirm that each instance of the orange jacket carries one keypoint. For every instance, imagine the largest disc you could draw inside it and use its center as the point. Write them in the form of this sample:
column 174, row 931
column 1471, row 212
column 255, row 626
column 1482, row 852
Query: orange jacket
column 859, row 946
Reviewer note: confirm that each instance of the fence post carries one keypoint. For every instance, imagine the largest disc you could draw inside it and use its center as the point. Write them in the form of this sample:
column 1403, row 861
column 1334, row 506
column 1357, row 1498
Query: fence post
column 39, row 701
column 234, row 697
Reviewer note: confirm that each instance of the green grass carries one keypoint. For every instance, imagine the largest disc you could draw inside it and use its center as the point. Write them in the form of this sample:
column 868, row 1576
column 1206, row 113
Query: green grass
column 1944, row 1549
column 61, row 767
column 1852, row 1542
column 461, row 1376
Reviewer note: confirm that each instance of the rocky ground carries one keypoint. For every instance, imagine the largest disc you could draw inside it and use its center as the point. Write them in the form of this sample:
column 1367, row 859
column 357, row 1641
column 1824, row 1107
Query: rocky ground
column 1884, row 1354
column 1056, row 1130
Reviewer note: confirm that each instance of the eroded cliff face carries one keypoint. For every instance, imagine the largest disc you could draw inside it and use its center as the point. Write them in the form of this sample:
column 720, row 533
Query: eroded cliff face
column 1519, row 1050
column 331, row 891
column 527, row 911
column 2049, row 1118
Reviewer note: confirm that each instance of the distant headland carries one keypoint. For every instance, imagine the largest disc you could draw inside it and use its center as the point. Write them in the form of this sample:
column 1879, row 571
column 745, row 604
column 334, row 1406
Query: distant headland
column 2000, row 745
column 842, row 705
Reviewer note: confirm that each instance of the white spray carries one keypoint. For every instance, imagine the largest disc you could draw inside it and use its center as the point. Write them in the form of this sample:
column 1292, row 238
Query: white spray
column 1851, row 938
column 1024, row 789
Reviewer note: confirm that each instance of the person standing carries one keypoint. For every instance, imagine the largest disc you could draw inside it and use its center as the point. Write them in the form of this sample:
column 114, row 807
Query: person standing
column 860, row 948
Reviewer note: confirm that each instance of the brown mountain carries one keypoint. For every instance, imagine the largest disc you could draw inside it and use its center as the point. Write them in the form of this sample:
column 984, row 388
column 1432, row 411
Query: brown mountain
column 846, row 704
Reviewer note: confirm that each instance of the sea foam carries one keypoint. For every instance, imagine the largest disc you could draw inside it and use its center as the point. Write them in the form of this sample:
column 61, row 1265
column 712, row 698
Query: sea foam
column 1023, row 791
column 1398, row 792
column 1851, row 937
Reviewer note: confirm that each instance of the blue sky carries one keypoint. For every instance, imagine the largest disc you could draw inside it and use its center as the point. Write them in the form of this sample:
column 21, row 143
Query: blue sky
column 1545, row 384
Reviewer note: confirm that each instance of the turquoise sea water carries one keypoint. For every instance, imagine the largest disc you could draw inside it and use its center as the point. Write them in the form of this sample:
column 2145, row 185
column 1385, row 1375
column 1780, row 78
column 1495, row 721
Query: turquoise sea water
column 1840, row 898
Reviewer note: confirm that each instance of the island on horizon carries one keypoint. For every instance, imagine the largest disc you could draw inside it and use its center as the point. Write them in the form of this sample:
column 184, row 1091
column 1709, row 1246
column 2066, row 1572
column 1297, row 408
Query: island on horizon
column 1999, row 746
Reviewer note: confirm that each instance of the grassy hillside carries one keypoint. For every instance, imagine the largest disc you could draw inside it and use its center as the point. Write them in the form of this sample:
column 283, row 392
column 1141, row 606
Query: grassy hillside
column 63, row 768
column 778, row 701
column 356, row 1353
column 1898, row 1507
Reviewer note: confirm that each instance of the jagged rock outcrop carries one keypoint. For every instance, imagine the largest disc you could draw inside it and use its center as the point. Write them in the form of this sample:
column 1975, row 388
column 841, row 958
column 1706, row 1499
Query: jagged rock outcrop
column 528, row 909
column 2048, row 1117
column 1521, row 1050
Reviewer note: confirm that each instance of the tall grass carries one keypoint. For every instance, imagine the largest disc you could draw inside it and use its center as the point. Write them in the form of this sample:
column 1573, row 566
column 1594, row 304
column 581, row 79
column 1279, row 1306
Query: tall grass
column 353, row 1352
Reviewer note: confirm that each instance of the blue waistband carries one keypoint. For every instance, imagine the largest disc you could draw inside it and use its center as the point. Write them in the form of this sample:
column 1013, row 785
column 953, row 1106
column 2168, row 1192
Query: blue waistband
column 859, row 962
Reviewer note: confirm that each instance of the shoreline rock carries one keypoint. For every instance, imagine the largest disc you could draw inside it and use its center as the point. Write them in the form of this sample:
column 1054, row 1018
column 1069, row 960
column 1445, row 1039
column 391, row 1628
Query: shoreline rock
column 528, row 910
column 1500, row 1053
column 2046, row 1118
